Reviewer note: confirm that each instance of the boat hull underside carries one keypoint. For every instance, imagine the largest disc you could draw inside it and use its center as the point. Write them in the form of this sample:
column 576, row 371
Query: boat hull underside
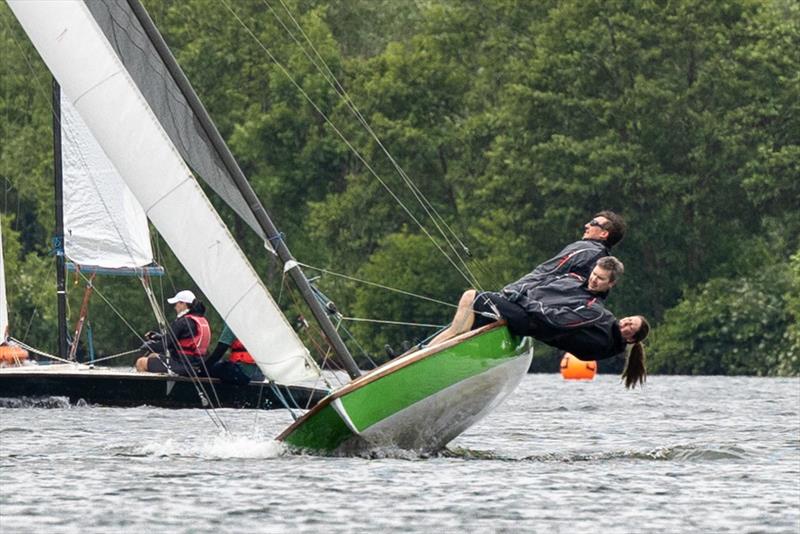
column 126, row 389
column 419, row 406
column 430, row 424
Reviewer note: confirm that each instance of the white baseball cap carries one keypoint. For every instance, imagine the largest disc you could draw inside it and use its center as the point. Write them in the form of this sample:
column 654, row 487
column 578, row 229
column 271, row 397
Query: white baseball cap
column 182, row 296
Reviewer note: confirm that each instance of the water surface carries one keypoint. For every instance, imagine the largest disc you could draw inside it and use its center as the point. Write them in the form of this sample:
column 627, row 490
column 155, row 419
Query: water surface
column 712, row 454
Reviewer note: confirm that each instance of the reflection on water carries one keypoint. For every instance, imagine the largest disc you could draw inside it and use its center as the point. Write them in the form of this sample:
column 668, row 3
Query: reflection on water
column 686, row 454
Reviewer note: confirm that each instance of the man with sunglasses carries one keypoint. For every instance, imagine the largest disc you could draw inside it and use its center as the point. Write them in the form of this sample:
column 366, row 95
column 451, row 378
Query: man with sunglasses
column 605, row 230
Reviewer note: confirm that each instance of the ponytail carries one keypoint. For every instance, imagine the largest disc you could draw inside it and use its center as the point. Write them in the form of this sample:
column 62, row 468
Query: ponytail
column 197, row 307
column 635, row 370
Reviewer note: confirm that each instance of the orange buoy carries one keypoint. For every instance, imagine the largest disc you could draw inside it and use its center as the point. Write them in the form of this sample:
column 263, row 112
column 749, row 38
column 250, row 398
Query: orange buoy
column 574, row 369
column 12, row 355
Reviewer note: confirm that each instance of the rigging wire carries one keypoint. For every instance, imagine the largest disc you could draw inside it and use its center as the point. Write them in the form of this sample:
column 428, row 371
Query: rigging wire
column 328, row 304
column 360, row 346
column 375, row 284
column 348, row 144
column 317, row 344
column 333, row 81
column 284, row 283
column 382, row 321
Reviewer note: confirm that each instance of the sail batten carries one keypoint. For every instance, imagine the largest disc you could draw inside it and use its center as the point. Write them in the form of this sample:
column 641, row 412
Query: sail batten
column 78, row 53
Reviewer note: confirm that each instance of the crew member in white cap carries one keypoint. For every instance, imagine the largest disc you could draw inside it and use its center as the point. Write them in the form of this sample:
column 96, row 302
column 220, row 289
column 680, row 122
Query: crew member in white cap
column 186, row 340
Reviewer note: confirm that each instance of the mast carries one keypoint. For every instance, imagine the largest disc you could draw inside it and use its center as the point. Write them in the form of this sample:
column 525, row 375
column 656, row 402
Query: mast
column 263, row 219
column 61, row 292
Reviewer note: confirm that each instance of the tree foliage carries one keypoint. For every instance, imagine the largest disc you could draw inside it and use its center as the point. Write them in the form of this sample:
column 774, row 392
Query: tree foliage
column 730, row 326
column 513, row 122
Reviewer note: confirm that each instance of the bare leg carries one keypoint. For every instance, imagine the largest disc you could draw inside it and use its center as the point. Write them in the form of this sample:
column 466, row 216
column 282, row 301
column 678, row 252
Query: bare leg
column 141, row 363
column 461, row 322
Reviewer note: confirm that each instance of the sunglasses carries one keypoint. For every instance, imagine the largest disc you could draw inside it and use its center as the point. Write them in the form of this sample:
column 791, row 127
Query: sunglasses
column 595, row 222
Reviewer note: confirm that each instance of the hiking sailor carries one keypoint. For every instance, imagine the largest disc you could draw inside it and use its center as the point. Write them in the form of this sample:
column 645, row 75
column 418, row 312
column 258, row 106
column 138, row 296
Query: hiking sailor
column 566, row 312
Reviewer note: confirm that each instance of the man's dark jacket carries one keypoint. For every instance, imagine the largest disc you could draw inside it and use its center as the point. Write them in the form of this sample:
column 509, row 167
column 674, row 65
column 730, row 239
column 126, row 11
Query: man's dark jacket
column 563, row 313
column 579, row 257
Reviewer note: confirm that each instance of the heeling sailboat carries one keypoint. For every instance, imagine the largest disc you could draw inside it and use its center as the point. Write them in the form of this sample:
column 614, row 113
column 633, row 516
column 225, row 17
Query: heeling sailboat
column 112, row 62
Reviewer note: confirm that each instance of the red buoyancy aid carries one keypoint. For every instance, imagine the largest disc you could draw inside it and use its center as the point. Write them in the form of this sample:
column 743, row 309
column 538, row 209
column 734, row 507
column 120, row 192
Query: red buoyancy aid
column 198, row 345
column 239, row 353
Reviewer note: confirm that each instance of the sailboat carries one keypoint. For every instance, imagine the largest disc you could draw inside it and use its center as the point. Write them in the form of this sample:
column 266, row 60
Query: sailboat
column 102, row 229
column 115, row 67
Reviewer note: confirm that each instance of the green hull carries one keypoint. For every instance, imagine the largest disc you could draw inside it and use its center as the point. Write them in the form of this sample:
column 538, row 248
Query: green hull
column 420, row 401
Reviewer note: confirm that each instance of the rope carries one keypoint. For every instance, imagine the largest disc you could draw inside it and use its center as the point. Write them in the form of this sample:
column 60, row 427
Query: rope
column 118, row 355
column 360, row 347
column 161, row 320
column 37, row 351
column 311, row 338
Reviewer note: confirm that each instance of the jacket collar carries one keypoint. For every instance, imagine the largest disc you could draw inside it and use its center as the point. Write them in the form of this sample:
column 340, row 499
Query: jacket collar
column 602, row 296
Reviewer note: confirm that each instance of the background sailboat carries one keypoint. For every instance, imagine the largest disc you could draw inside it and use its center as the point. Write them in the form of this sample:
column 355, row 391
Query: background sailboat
column 105, row 231
column 116, row 68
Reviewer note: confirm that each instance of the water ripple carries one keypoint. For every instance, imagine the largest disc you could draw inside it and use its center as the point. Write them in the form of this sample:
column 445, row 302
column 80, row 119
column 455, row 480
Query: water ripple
column 549, row 460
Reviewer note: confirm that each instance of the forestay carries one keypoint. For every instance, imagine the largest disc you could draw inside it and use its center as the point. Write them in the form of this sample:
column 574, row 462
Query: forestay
column 104, row 225
column 135, row 136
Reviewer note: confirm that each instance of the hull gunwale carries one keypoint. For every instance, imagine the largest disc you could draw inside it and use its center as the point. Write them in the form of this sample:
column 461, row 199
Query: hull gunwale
column 391, row 389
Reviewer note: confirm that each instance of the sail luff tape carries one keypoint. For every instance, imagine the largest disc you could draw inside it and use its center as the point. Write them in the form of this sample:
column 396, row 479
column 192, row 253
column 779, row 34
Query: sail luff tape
column 289, row 265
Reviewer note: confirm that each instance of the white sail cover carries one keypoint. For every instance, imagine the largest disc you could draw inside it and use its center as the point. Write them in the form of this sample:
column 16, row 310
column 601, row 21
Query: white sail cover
column 104, row 225
column 95, row 80
column 3, row 299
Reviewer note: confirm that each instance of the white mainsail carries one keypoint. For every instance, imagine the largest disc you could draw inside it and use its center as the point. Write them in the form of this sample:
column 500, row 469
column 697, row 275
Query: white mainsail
column 103, row 92
column 3, row 300
column 104, row 225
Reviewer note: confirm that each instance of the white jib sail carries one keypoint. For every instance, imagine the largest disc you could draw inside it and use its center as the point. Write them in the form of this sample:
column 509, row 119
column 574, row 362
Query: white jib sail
column 104, row 225
column 93, row 78
column 3, row 300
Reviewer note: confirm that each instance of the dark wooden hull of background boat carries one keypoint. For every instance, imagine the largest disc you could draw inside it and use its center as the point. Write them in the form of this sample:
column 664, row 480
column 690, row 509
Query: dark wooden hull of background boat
column 128, row 389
